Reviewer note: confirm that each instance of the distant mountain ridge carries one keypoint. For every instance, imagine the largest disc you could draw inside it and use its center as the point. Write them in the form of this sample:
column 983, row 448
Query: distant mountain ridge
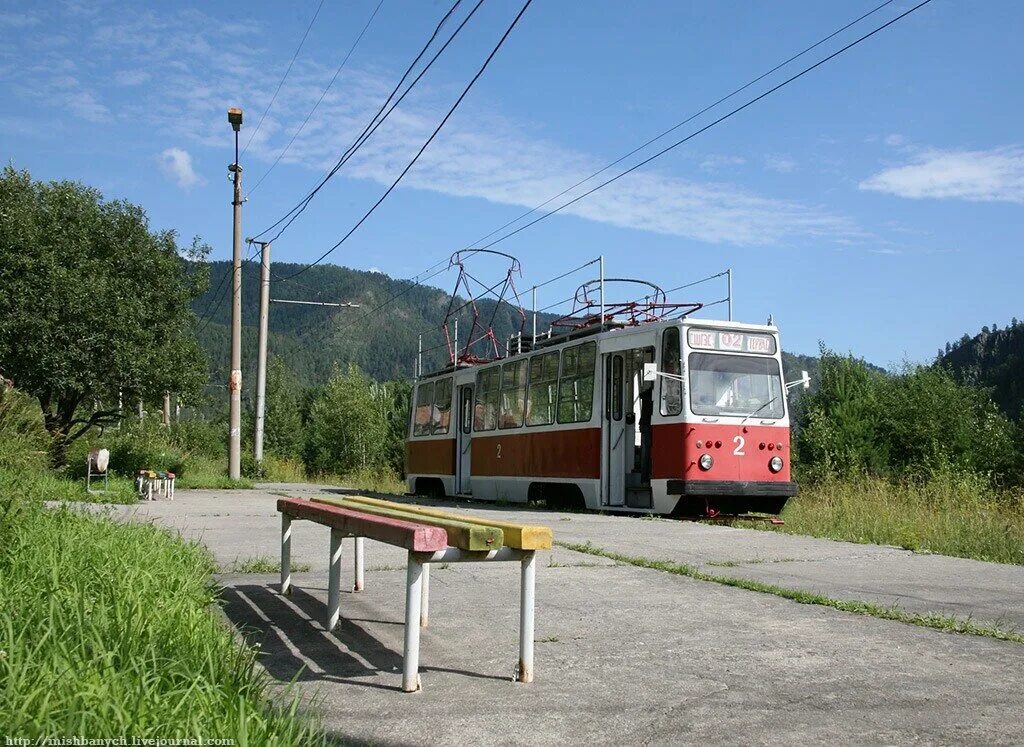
column 314, row 340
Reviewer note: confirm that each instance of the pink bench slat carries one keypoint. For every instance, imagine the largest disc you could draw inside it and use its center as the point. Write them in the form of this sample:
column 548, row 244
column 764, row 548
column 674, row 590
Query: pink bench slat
column 407, row 534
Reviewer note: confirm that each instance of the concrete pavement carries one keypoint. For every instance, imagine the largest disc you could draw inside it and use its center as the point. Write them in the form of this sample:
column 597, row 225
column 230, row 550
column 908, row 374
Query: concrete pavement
column 625, row 654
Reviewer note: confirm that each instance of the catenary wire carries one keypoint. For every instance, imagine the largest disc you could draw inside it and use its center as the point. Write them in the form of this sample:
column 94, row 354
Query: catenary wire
column 429, row 140
column 708, row 126
column 284, row 77
column 319, row 100
column 415, row 279
column 295, row 211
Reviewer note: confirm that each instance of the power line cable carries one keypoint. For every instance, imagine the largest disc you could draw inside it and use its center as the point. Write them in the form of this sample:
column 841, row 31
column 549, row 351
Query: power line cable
column 415, row 279
column 429, row 140
column 319, row 100
column 297, row 210
column 284, row 77
column 692, row 117
column 707, row 127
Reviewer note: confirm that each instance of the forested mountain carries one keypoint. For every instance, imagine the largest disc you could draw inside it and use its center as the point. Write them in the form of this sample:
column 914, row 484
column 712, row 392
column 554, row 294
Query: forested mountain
column 313, row 340
column 993, row 358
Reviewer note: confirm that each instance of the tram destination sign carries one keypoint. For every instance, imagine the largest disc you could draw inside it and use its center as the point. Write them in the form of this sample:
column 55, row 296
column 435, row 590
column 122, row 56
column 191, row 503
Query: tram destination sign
column 738, row 342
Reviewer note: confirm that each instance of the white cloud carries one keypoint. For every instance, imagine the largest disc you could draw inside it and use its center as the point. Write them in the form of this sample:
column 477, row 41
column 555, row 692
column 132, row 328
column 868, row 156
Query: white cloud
column 715, row 163
column 894, row 140
column 995, row 175
column 85, row 105
column 177, row 164
column 781, row 164
column 131, row 77
column 18, row 20
column 195, row 69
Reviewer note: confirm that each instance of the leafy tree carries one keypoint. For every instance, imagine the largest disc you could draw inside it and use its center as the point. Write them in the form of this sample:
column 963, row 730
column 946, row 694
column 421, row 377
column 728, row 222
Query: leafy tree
column 283, row 432
column 840, row 418
column 92, row 304
column 348, row 428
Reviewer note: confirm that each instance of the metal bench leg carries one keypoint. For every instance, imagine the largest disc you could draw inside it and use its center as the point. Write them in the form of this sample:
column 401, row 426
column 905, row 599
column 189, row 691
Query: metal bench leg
column 413, row 597
column 425, row 598
column 286, row 554
column 334, row 580
column 527, row 585
column 358, row 585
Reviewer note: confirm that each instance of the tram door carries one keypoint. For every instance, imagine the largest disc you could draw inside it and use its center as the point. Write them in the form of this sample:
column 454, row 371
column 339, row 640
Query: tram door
column 464, row 441
column 617, row 445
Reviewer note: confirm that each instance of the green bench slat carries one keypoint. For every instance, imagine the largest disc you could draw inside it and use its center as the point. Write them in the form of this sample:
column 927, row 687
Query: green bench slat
column 461, row 534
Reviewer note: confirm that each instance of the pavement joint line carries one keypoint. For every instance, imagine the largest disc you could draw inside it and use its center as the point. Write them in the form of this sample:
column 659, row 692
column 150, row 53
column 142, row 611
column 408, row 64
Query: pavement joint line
column 935, row 621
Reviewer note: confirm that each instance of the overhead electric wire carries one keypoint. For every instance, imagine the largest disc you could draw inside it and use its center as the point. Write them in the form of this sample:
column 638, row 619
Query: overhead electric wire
column 692, row 117
column 284, row 77
column 428, row 141
column 373, row 123
column 319, row 100
column 415, row 279
column 707, row 127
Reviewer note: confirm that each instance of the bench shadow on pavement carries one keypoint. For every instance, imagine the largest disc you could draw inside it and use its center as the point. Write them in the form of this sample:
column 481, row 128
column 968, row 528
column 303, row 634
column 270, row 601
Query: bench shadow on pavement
column 294, row 646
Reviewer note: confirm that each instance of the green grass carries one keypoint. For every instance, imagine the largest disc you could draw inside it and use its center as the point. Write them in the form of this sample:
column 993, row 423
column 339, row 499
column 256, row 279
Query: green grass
column 211, row 474
column 945, row 623
column 263, row 564
column 108, row 629
column 949, row 516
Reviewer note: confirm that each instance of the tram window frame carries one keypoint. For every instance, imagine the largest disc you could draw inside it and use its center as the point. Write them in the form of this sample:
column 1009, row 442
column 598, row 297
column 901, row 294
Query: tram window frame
column 442, row 424
column 486, row 378
column 582, row 370
column 424, row 399
column 671, row 393
column 512, row 395
column 544, row 384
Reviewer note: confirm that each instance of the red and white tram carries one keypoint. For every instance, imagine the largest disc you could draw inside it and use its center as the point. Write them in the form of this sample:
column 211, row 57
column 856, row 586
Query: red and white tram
column 683, row 416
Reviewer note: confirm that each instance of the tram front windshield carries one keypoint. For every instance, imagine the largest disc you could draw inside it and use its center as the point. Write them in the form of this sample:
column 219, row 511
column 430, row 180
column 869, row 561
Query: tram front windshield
column 740, row 385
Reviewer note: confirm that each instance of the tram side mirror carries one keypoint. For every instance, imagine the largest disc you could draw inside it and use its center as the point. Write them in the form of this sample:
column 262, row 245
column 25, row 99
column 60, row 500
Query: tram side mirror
column 651, row 371
column 805, row 379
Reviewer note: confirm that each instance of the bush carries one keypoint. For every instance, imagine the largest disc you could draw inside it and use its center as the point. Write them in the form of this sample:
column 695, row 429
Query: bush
column 918, row 423
column 201, row 438
column 348, row 427
column 24, row 441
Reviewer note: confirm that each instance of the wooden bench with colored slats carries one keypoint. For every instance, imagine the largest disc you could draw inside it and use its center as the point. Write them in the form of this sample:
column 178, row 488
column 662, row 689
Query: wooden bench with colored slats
column 429, row 536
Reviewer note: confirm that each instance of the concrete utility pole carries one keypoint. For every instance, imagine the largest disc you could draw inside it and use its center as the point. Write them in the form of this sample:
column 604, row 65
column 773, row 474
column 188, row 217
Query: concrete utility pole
column 167, row 410
column 261, row 359
column 235, row 379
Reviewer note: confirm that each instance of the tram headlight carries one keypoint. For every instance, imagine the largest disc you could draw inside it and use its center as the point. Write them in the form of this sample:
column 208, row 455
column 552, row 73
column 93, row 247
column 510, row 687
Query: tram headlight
column 706, row 461
column 775, row 464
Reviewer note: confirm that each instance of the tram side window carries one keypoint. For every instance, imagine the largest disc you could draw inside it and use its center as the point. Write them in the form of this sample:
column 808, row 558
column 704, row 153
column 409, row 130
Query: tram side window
column 513, row 394
column 671, row 364
column 441, row 417
column 485, row 412
column 543, row 391
column 424, row 405
column 576, row 384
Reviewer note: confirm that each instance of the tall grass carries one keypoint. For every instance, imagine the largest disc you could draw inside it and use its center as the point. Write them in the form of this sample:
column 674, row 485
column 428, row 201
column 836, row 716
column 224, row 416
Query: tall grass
column 107, row 630
column 950, row 515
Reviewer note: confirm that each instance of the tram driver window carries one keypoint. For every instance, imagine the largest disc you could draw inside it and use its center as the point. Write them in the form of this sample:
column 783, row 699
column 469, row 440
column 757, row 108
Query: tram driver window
column 424, row 405
column 738, row 385
column 671, row 364
column 576, row 384
column 485, row 413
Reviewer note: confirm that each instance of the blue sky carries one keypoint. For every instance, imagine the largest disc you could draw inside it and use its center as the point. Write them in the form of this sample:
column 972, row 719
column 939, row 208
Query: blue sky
column 875, row 204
